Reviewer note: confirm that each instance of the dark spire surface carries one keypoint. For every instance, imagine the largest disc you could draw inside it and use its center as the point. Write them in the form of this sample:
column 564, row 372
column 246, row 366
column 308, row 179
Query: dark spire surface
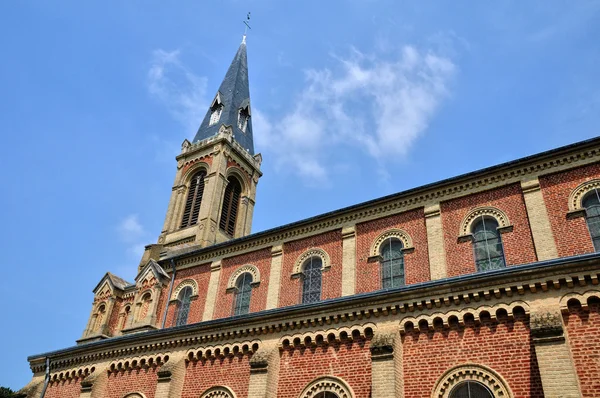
column 233, row 96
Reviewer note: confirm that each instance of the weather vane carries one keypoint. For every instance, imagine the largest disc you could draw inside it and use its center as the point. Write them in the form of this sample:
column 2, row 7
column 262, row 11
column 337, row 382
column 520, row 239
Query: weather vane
column 247, row 24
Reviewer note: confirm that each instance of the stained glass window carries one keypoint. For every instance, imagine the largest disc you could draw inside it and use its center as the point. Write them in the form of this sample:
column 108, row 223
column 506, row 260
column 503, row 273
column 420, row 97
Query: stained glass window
column 242, row 294
column 311, row 286
column 392, row 263
column 471, row 389
column 183, row 307
column 487, row 244
column 591, row 203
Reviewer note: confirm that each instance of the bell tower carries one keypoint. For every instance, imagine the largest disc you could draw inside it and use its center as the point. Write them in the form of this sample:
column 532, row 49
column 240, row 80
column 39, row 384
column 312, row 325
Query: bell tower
column 213, row 195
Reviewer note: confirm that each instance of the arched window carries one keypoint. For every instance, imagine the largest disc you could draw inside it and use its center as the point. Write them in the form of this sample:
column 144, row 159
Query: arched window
column 194, row 199
column 392, row 263
column 311, row 275
column 591, row 203
column 100, row 318
column 145, row 306
column 231, row 201
column 471, row 389
column 487, row 244
column 126, row 317
column 326, row 394
column 243, row 291
column 183, row 306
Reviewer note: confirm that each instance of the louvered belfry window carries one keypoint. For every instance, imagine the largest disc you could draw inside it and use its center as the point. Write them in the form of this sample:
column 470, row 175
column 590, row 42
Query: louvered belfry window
column 311, row 285
column 183, row 307
column 231, row 201
column 243, row 293
column 487, row 244
column 392, row 264
column 194, row 199
column 591, row 203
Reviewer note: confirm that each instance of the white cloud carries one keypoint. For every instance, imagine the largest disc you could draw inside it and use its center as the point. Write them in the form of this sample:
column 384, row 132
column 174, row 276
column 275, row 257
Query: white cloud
column 180, row 90
column 133, row 234
column 378, row 105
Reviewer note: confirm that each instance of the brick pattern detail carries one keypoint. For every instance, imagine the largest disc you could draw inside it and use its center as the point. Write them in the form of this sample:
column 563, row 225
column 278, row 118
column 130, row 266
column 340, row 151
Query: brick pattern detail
column 416, row 263
column 583, row 330
column 331, row 287
column 124, row 382
column 261, row 259
column 518, row 244
column 570, row 234
column 113, row 323
column 350, row 361
column 505, row 347
column 201, row 274
column 233, row 372
column 64, row 388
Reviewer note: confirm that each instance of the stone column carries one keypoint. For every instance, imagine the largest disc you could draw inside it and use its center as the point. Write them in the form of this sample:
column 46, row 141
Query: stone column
column 543, row 239
column 348, row 260
column 245, row 214
column 211, row 293
column 275, row 277
column 435, row 242
column 179, row 199
column 386, row 364
column 557, row 371
column 264, row 371
column 167, row 226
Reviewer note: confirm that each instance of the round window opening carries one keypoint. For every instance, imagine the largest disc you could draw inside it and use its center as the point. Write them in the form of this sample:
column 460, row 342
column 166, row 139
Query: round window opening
column 326, row 395
column 471, row 389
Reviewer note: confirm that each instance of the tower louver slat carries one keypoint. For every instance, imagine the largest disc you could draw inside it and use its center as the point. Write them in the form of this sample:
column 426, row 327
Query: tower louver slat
column 231, row 199
column 194, row 200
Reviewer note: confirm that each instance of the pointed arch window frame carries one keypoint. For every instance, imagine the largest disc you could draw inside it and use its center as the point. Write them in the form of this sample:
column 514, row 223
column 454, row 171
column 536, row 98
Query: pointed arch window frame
column 242, row 295
column 216, row 110
column 230, row 206
column 244, row 114
column 193, row 200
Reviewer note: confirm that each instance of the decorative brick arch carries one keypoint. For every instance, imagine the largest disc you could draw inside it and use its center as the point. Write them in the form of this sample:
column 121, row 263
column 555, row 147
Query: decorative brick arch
column 218, row 392
column 188, row 282
column 578, row 193
column 328, row 384
column 314, row 252
column 399, row 234
column 473, row 215
column 471, row 372
column 134, row 395
column 251, row 269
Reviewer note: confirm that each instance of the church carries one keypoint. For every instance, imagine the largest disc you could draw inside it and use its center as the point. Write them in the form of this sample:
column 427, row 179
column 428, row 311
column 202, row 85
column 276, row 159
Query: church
column 483, row 285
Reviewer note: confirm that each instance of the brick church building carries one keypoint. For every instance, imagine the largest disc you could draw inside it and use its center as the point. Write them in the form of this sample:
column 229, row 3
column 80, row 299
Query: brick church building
column 482, row 285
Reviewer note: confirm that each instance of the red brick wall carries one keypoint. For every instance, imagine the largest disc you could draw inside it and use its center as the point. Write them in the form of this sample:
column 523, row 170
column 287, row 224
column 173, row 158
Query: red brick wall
column 113, row 322
column 232, row 372
column 64, row 389
column 261, row 259
column 201, row 274
column 571, row 235
column 518, row 244
column 137, row 380
column 416, row 263
column 331, row 284
column 583, row 329
column 504, row 347
column 349, row 361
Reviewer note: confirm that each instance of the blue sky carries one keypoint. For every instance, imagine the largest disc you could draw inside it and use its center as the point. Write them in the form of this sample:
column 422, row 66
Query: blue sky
column 352, row 100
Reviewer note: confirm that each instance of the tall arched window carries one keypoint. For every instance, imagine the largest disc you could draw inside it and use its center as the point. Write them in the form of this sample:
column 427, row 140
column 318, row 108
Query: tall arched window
column 591, row 203
column 126, row 321
column 471, row 389
column 145, row 306
column 311, row 284
column 183, row 306
column 100, row 318
column 243, row 292
column 392, row 263
column 487, row 244
column 231, row 201
column 194, row 199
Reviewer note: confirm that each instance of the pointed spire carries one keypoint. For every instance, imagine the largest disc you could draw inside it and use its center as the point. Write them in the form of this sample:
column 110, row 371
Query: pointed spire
column 231, row 104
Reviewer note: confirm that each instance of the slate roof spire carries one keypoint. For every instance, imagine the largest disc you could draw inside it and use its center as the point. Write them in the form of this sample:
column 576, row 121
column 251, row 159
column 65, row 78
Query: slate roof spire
column 231, row 104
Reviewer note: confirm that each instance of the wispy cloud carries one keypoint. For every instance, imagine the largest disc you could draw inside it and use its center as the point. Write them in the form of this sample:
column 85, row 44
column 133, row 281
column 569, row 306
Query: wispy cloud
column 133, row 234
column 375, row 105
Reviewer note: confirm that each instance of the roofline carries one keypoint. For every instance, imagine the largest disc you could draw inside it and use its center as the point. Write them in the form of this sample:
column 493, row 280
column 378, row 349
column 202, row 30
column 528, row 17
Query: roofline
column 525, row 269
column 452, row 180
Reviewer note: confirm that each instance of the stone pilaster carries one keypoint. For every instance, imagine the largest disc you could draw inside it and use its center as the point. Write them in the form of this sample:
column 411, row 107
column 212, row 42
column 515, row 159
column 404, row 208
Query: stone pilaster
column 556, row 367
column 435, row 242
column 275, row 277
column 171, row 376
column 545, row 246
column 211, row 293
column 386, row 366
column 179, row 199
column 348, row 260
column 94, row 384
column 264, row 370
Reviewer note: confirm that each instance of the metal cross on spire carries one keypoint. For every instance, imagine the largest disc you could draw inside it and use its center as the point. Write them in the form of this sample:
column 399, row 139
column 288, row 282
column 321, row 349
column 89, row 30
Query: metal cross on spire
column 247, row 25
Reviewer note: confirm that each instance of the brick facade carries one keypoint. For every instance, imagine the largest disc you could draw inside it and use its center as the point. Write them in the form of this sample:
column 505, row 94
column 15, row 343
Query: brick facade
column 232, row 372
column 64, row 388
column 121, row 383
column 201, row 276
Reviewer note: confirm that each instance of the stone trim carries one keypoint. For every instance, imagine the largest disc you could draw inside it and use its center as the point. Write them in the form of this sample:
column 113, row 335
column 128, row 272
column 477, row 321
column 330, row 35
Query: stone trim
column 327, row 336
column 249, row 268
column 471, row 372
column 222, row 350
column 582, row 298
column 183, row 284
column 578, row 193
column 218, row 392
column 328, row 384
column 474, row 214
column 400, row 234
column 315, row 251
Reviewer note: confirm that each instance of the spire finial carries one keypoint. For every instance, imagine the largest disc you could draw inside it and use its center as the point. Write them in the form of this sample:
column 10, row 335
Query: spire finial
column 246, row 28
